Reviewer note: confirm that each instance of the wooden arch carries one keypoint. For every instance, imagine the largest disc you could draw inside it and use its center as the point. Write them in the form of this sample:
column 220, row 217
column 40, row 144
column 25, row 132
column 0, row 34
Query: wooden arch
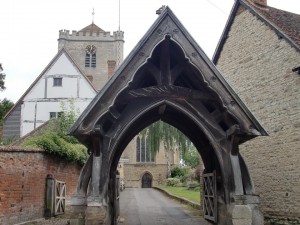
column 166, row 77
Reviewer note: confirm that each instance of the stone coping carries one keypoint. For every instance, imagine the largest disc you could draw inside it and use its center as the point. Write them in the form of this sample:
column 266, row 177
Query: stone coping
column 19, row 149
column 180, row 199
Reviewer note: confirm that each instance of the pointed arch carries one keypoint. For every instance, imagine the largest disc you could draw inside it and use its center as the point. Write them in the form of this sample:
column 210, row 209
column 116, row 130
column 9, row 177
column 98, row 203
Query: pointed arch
column 168, row 77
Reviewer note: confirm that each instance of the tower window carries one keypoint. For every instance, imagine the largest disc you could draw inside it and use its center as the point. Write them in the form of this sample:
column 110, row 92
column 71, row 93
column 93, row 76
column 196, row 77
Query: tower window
column 87, row 60
column 93, row 62
column 90, row 56
column 57, row 82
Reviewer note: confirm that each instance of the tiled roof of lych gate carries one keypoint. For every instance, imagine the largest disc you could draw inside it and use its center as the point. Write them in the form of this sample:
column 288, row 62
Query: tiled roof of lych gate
column 287, row 22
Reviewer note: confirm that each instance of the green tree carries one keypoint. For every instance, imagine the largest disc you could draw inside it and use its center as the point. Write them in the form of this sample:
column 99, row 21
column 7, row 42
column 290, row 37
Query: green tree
column 177, row 172
column 68, row 115
column 171, row 138
column 5, row 106
column 191, row 157
column 2, row 78
column 57, row 142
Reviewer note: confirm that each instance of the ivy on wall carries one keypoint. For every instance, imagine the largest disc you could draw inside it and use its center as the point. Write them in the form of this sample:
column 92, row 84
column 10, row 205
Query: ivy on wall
column 55, row 139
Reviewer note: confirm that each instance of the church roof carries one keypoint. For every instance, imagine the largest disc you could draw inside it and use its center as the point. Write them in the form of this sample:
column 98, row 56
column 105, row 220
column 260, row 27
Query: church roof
column 285, row 24
column 92, row 28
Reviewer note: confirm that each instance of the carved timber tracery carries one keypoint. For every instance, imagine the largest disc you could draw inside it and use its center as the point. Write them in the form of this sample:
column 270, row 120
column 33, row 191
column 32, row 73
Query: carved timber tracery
column 168, row 78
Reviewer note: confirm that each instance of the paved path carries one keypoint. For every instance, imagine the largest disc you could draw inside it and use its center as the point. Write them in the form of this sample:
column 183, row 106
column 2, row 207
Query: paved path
column 147, row 206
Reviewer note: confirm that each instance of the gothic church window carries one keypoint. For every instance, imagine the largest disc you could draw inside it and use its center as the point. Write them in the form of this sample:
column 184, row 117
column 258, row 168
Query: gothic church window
column 143, row 153
column 90, row 56
column 138, row 149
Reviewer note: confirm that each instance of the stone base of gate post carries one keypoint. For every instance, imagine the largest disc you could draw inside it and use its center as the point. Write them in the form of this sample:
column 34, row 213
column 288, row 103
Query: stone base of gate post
column 245, row 210
column 96, row 215
column 79, row 200
column 241, row 215
column 94, row 201
column 75, row 214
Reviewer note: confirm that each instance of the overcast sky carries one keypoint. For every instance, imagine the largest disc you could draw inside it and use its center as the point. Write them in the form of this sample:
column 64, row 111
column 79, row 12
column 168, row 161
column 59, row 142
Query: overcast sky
column 29, row 29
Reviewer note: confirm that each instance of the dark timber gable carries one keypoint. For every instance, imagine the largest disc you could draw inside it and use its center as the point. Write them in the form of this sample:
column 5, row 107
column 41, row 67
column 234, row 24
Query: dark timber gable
column 167, row 77
column 167, row 27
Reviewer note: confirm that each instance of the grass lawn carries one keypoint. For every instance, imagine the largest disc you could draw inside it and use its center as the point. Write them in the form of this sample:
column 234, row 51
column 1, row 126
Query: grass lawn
column 183, row 192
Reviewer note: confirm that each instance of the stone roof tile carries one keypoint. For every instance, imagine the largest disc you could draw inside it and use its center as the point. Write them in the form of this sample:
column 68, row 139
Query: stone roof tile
column 287, row 22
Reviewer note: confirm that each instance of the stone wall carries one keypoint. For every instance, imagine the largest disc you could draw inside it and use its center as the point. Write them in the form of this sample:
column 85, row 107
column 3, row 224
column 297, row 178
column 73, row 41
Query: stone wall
column 258, row 64
column 23, row 175
column 133, row 174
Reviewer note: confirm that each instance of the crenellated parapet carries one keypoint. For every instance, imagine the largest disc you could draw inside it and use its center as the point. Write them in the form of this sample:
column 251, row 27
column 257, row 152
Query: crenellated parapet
column 91, row 36
column 119, row 35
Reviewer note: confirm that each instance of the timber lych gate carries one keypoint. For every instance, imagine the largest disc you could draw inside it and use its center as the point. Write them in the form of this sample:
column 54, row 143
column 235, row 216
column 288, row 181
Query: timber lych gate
column 168, row 77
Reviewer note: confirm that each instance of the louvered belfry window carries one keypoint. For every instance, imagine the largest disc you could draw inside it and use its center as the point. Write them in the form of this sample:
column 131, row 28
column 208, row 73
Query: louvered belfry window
column 90, row 60
column 90, row 56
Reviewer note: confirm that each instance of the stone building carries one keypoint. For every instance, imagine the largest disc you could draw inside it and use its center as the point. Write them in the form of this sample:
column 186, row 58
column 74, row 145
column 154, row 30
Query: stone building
column 96, row 52
column 60, row 81
column 139, row 167
column 85, row 61
column 259, row 55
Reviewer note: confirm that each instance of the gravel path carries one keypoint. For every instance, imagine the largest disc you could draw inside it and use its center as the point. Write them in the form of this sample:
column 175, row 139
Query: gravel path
column 147, row 206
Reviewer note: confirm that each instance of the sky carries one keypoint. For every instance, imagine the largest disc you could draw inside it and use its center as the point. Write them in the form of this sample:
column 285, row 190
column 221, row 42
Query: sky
column 29, row 29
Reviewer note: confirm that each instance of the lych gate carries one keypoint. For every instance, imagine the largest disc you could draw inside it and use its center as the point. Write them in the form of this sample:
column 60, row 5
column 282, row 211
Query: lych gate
column 168, row 77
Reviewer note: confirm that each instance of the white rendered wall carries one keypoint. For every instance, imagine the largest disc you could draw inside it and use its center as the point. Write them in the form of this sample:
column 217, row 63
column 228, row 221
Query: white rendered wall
column 44, row 98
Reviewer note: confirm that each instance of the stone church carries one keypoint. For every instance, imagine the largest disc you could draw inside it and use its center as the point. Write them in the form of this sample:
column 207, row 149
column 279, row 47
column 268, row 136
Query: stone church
column 139, row 167
column 85, row 61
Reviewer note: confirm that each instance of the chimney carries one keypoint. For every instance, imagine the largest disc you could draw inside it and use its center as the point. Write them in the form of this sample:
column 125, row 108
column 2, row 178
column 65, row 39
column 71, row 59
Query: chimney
column 261, row 2
column 111, row 67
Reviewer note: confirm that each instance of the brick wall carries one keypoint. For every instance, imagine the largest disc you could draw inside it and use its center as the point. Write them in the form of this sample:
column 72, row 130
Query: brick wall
column 23, row 180
column 258, row 65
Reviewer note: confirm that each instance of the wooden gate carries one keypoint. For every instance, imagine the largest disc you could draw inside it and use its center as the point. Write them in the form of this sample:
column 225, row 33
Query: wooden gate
column 146, row 181
column 60, row 197
column 210, row 196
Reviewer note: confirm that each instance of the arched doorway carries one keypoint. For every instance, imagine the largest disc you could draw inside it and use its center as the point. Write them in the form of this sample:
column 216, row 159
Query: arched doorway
column 169, row 78
column 147, row 180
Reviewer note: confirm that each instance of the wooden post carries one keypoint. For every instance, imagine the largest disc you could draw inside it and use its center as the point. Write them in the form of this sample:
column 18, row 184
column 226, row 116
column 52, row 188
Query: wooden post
column 117, row 196
column 50, row 188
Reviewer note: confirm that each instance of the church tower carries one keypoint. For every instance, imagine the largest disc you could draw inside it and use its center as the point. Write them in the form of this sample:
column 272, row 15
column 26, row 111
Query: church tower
column 95, row 51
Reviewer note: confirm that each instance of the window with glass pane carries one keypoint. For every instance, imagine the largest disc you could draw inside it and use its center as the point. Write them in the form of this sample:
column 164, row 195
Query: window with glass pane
column 57, row 82
column 138, row 149
column 143, row 153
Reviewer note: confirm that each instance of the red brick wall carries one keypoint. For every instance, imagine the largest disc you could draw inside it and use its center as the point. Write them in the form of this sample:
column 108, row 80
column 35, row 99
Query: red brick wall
column 23, row 175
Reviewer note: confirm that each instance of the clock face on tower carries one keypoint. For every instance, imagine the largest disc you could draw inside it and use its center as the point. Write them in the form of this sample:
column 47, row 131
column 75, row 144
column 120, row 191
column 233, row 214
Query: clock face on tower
column 90, row 49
